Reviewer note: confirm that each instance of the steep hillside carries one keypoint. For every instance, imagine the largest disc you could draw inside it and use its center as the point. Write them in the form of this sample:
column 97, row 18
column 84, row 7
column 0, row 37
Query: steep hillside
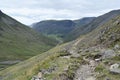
column 83, row 21
column 96, row 22
column 94, row 56
column 106, row 35
column 19, row 42
column 101, row 48
column 60, row 28
column 81, row 24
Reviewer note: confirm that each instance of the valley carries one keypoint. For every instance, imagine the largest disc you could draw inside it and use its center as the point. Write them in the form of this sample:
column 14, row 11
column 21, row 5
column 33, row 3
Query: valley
column 61, row 29
column 92, row 51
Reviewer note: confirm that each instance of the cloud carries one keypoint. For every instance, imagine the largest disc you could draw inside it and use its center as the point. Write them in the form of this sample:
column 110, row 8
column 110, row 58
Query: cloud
column 30, row 11
column 39, row 14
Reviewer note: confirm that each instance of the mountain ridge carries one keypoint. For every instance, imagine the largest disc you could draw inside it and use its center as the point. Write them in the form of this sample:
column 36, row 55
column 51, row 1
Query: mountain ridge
column 60, row 28
column 95, row 52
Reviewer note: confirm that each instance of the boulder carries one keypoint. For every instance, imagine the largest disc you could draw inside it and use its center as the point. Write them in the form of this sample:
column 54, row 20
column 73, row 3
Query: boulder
column 108, row 54
column 115, row 71
column 115, row 68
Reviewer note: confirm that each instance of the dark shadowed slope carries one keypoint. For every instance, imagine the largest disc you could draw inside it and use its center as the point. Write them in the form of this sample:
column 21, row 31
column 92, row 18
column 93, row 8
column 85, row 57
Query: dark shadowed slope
column 55, row 28
column 81, row 24
column 19, row 42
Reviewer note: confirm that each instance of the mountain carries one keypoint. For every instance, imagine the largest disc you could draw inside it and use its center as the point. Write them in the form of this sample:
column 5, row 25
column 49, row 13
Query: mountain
column 81, row 24
column 19, row 42
column 106, row 32
column 54, row 28
column 96, row 22
column 101, row 20
column 83, row 21
column 72, row 29
column 91, row 56
column 60, row 28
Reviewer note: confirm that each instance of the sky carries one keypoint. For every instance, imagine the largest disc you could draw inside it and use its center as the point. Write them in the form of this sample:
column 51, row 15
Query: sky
column 31, row 11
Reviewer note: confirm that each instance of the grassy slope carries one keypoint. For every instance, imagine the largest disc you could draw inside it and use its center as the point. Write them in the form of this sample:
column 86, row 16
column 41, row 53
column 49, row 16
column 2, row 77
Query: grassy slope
column 27, row 69
column 24, row 70
column 19, row 42
column 106, row 35
column 80, row 26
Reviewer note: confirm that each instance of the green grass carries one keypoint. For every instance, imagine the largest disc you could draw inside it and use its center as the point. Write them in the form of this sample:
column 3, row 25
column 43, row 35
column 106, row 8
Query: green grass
column 104, row 73
column 19, row 42
column 56, row 37
column 25, row 70
column 103, row 69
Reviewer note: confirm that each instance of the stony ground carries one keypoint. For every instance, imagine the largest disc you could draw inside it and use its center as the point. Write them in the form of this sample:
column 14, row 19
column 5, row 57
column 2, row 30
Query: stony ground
column 86, row 72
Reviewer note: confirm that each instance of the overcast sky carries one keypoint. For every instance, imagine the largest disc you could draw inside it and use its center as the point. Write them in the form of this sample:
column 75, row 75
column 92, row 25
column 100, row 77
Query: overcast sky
column 30, row 11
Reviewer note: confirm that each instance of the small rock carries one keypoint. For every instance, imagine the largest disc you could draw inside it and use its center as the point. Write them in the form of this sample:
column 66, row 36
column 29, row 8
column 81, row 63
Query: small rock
column 97, row 60
column 116, row 47
column 67, row 57
column 39, row 75
column 107, row 78
column 36, row 78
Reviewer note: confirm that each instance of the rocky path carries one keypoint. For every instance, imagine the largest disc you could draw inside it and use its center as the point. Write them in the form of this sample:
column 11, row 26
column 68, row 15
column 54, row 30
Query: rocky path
column 85, row 72
column 78, row 41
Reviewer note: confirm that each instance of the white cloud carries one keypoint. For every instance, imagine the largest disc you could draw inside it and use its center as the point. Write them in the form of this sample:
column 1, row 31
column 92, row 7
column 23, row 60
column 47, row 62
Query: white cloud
column 29, row 11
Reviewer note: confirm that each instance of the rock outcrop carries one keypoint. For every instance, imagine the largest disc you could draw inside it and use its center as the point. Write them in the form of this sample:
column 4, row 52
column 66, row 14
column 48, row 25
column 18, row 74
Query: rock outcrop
column 108, row 54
